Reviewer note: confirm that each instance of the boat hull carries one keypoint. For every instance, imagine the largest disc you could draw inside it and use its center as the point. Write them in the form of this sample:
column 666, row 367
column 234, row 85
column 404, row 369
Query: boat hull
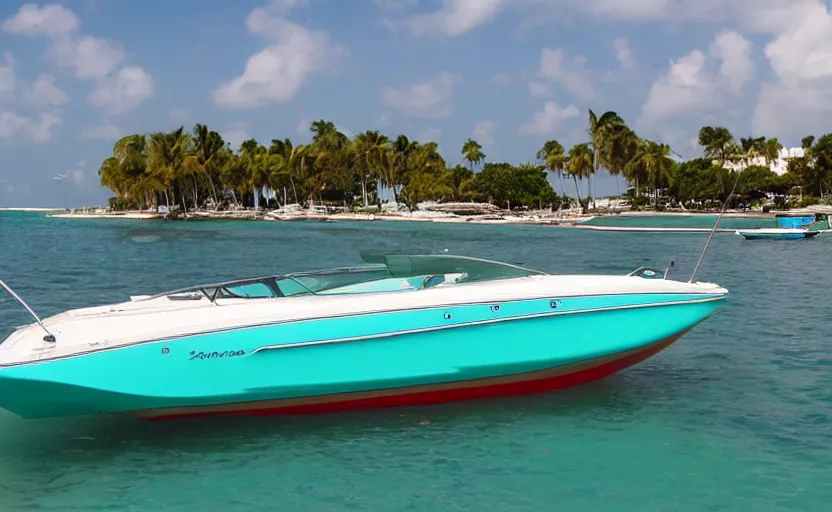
column 560, row 377
column 374, row 360
column 776, row 234
column 794, row 221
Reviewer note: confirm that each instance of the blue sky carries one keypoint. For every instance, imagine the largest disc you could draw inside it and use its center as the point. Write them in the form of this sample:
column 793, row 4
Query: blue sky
column 77, row 75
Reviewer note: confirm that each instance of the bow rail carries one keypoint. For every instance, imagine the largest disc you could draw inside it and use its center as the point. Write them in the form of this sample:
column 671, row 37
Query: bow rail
column 49, row 336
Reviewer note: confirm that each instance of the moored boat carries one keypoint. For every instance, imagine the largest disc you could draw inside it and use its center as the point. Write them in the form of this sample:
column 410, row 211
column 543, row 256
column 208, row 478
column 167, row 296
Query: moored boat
column 776, row 234
column 795, row 219
column 399, row 330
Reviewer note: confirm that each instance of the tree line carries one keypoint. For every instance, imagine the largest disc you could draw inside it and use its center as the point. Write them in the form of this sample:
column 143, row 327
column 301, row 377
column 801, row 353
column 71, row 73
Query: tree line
column 199, row 169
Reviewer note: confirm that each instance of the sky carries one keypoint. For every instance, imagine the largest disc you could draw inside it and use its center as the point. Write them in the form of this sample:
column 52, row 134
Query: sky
column 76, row 76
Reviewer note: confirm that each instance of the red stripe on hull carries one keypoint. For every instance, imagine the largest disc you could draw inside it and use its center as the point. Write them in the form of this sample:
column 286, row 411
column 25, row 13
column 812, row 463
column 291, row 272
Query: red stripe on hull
column 432, row 397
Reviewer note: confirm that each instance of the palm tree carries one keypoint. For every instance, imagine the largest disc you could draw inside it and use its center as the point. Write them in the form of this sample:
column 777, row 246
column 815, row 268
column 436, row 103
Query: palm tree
column 255, row 159
column 326, row 136
column 368, row 146
column 204, row 163
column 579, row 164
column 599, row 129
column 390, row 166
column 718, row 143
column 166, row 153
column 291, row 165
column 472, row 153
column 751, row 149
column 620, row 145
column 771, row 149
column 553, row 157
column 654, row 159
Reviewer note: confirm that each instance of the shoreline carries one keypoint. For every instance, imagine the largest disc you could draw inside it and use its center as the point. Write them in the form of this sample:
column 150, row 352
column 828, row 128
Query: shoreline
column 528, row 218
column 29, row 209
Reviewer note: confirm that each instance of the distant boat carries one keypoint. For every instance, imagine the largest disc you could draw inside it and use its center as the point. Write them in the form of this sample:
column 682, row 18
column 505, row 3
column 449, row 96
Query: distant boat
column 776, row 233
column 795, row 219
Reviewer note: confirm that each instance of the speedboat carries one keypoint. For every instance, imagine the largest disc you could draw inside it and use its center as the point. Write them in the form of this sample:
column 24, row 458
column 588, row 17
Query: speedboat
column 776, row 233
column 397, row 330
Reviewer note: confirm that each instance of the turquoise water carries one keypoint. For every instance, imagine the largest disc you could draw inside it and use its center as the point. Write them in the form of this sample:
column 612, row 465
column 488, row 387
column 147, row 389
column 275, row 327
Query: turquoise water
column 735, row 416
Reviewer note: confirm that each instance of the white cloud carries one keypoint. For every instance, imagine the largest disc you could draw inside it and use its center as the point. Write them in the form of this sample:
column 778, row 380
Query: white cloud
column 484, row 131
column 87, row 56
column 237, row 133
column 123, row 90
column 44, row 93
column 570, row 73
column 50, row 20
column 118, row 89
column 539, row 89
column 39, row 128
column 11, row 124
column 737, row 66
column 277, row 72
column 636, row 10
column 550, row 119
column 283, row 7
column 42, row 128
column 624, row 54
column 455, row 17
column 101, row 132
column 433, row 98
column 303, row 127
column 691, row 90
column 42, row 96
column 799, row 100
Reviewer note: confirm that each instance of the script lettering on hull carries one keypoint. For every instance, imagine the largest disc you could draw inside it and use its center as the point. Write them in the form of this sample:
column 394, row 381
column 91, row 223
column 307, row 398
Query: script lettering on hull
column 216, row 355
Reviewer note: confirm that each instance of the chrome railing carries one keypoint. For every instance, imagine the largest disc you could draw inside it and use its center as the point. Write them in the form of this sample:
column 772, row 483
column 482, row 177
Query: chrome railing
column 49, row 336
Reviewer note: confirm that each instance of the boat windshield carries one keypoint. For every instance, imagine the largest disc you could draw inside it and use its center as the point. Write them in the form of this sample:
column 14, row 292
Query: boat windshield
column 382, row 273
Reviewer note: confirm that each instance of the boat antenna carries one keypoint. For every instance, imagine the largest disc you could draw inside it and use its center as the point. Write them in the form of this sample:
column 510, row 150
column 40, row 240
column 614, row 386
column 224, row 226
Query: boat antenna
column 713, row 230
column 49, row 336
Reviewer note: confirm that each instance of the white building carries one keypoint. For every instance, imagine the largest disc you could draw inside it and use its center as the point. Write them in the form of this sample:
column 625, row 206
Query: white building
column 778, row 166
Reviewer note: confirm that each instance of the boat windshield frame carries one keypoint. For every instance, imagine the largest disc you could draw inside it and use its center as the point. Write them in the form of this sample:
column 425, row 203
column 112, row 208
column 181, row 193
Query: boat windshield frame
column 379, row 266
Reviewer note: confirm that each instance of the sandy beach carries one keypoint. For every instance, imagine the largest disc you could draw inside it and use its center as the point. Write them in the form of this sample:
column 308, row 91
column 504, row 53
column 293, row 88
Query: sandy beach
column 544, row 217
column 126, row 215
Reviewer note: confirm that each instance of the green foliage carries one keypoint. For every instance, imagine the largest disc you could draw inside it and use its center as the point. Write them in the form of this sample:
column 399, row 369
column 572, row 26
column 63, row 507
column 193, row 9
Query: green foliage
column 506, row 185
column 807, row 201
column 117, row 204
column 194, row 170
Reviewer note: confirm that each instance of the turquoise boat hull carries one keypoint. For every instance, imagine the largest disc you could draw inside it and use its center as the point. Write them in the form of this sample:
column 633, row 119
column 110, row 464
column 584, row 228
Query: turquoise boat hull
column 330, row 364
column 751, row 235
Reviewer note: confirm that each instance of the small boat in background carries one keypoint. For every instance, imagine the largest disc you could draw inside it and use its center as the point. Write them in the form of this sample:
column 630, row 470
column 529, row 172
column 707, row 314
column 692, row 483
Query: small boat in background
column 793, row 226
column 776, row 234
column 796, row 219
